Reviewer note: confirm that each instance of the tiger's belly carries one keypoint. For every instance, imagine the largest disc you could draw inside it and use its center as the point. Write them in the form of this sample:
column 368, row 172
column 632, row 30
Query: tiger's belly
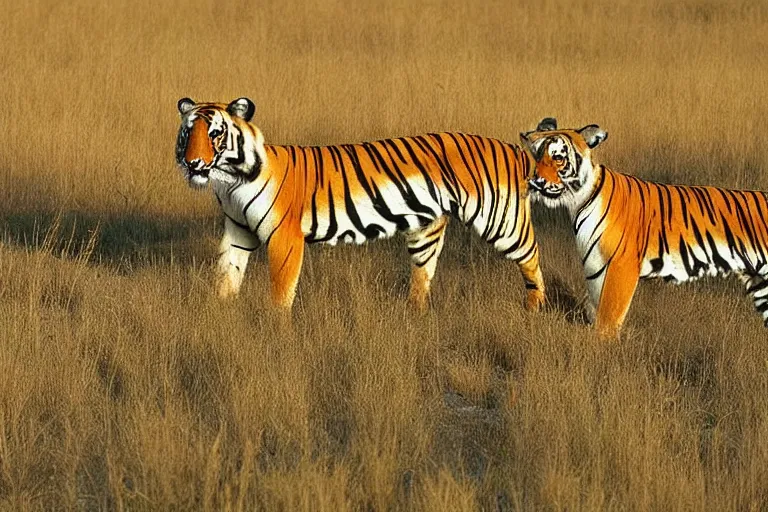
column 346, row 219
column 692, row 262
column 360, row 219
column 341, row 227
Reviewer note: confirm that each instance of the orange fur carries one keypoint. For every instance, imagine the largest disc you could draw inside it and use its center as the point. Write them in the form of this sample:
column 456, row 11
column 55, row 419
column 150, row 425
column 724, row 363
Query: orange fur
column 199, row 146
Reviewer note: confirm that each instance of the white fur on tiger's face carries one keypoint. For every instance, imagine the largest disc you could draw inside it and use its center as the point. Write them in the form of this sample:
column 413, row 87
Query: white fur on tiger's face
column 564, row 174
column 216, row 142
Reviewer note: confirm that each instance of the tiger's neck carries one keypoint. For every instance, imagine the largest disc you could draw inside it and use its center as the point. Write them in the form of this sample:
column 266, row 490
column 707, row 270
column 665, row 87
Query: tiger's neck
column 589, row 192
column 290, row 165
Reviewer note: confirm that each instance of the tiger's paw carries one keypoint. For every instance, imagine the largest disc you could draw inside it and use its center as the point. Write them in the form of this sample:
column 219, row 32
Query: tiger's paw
column 225, row 288
column 608, row 333
column 535, row 300
column 419, row 300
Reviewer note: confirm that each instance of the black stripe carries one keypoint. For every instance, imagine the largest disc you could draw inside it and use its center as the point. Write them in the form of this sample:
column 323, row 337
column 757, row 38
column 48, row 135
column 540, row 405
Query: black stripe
column 349, row 203
column 446, row 171
column 603, row 175
column 250, row 202
column 427, row 245
column 512, row 195
column 274, row 200
column 761, row 285
column 242, row 248
column 398, row 179
column 236, row 223
column 433, row 192
column 333, row 224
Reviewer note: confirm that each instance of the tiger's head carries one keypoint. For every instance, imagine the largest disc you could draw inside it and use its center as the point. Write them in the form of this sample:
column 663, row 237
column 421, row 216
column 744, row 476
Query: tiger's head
column 565, row 174
column 217, row 142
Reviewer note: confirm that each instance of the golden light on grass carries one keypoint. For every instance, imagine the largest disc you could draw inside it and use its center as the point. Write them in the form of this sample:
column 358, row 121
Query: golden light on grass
column 470, row 379
column 125, row 384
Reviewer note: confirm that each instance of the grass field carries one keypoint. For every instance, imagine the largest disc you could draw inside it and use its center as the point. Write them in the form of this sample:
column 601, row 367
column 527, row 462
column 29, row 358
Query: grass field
column 125, row 385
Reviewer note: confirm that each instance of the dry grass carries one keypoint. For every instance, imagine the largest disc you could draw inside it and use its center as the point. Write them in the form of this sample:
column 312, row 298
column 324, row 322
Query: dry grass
column 125, row 385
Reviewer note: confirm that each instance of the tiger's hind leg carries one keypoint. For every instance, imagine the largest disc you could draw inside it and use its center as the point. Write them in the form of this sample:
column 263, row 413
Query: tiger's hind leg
column 424, row 246
column 534, row 282
column 234, row 250
column 757, row 288
column 526, row 255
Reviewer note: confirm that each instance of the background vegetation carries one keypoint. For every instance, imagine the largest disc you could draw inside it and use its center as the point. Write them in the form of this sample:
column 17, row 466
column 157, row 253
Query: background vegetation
column 124, row 384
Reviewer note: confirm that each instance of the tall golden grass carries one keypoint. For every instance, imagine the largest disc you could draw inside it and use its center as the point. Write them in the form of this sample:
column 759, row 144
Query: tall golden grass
column 124, row 384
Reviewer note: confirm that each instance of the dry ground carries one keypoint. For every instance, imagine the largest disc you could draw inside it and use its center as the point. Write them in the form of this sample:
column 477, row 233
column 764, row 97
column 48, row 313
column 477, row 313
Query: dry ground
column 125, row 385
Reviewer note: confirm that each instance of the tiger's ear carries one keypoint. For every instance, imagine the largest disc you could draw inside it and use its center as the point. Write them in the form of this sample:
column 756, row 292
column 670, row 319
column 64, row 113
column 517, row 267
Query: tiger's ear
column 534, row 146
column 547, row 124
column 243, row 108
column 593, row 135
column 185, row 105
column 525, row 140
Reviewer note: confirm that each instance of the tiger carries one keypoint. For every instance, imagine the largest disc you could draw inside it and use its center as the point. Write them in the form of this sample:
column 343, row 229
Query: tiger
column 286, row 196
column 629, row 229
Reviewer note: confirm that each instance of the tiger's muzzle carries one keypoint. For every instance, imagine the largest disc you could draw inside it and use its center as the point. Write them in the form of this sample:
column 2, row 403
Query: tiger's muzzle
column 196, row 153
column 197, row 172
column 546, row 189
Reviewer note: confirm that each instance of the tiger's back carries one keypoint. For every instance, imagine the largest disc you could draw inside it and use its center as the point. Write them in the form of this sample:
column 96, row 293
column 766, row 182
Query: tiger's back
column 358, row 192
column 679, row 232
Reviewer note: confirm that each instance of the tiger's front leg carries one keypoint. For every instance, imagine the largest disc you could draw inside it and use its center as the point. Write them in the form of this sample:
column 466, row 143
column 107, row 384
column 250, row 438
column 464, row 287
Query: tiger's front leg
column 236, row 247
column 618, row 287
column 286, row 253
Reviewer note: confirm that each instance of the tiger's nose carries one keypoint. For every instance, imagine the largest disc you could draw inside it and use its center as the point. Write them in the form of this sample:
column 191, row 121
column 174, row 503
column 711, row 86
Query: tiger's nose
column 199, row 151
column 196, row 164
